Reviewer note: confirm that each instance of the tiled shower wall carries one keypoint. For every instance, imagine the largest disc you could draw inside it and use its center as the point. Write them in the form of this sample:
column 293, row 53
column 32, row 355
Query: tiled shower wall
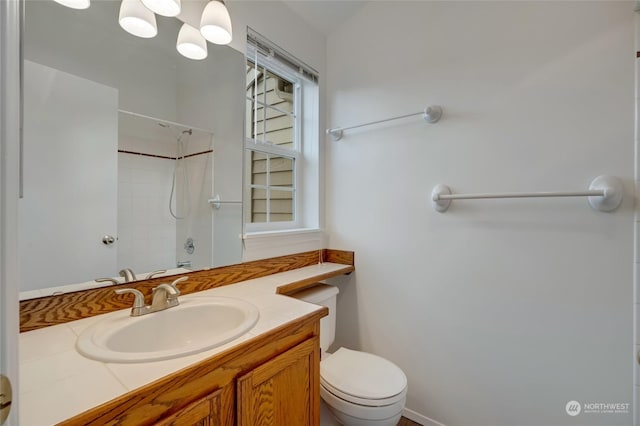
column 146, row 230
column 198, row 223
column 149, row 237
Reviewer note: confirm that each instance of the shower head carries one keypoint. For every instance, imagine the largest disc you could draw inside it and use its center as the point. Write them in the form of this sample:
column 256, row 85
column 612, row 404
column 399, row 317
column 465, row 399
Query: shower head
column 175, row 130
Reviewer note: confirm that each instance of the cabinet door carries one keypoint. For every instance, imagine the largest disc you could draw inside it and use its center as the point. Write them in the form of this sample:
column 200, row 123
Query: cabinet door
column 203, row 412
column 284, row 391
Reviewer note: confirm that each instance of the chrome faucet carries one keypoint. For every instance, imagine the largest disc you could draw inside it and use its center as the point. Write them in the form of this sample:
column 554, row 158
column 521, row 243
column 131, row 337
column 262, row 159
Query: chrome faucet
column 138, row 308
column 128, row 275
column 165, row 296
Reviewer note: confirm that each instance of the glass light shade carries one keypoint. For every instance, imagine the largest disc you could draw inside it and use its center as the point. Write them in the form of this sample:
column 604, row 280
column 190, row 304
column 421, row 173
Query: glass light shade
column 215, row 24
column 191, row 44
column 164, row 7
column 136, row 19
column 75, row 4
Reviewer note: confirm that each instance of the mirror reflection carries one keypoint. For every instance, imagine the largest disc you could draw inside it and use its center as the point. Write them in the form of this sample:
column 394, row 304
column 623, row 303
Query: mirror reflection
column 126, row 145
column 164, row 183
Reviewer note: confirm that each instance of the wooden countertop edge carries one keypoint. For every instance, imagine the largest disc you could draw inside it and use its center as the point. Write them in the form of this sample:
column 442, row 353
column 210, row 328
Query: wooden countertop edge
column 175, row 391
column 308, row 282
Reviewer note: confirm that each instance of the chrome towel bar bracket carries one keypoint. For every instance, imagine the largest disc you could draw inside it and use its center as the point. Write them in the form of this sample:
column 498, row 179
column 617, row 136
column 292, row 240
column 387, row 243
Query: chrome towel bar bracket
column 216, row 202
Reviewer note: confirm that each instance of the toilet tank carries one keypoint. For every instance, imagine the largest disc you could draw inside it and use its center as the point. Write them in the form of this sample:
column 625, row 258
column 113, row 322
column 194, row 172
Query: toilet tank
column 324, row 295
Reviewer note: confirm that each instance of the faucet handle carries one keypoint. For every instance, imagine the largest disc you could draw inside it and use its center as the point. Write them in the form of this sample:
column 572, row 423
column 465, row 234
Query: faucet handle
column 127, row 274
column 171, row 289
column 179, row 280
column 138, row 302
column 152, row 274
column 166, row 295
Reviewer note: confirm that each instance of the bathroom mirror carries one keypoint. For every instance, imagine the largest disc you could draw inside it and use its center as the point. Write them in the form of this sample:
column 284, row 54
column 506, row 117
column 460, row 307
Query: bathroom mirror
column 126, row 146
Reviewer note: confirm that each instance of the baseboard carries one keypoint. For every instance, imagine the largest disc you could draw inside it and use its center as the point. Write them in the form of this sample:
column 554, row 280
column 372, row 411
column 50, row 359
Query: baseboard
column 419, row 418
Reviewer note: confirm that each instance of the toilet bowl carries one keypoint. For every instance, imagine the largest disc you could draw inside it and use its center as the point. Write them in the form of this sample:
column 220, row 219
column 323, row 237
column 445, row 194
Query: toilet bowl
column 358, row 388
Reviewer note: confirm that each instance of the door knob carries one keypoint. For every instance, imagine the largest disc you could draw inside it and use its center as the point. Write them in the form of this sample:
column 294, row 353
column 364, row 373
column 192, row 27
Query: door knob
column 107, row 240
column 5, row 398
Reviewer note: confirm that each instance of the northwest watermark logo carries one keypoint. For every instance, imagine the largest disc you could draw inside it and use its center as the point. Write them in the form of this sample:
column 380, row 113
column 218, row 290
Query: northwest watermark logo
column 573, row 408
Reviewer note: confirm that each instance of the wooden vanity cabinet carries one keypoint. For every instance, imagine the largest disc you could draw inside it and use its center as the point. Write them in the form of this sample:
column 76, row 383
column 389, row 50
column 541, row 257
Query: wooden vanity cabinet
column 270, row 380
column 203, row 412
column 283, row 391
column 280, row 392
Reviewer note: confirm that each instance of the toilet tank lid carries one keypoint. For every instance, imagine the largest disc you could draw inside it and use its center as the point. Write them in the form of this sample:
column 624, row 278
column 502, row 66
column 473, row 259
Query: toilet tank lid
column 362, row 375
column 316, row 294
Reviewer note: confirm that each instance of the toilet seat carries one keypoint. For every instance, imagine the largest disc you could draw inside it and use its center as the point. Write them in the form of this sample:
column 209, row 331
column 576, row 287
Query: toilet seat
column 362, row 401
column 363, row 378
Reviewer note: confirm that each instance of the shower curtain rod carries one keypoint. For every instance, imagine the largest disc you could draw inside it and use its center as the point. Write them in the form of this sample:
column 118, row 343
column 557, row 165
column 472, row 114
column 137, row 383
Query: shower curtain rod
column 162, row 120
column 430, row 114
column 605, row 194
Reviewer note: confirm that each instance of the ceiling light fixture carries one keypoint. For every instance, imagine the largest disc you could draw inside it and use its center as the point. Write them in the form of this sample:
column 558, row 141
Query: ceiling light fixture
column 75, row 4
column 215, row 24
column 190, row 43
column 136, row 19
column 164, row 7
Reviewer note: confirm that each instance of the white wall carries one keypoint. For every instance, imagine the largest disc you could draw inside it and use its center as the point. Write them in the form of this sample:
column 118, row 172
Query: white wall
column 500, row 312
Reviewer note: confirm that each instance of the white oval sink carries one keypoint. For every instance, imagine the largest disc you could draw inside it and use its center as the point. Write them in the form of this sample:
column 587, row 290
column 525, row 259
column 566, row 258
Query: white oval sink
column 197, row 324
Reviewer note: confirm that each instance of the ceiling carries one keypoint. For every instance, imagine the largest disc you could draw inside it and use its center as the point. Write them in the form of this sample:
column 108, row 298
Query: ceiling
column 325, row 15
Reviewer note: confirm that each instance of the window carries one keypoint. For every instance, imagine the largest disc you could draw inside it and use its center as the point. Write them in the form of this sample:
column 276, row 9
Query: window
column 281, row 147
column 273, row 145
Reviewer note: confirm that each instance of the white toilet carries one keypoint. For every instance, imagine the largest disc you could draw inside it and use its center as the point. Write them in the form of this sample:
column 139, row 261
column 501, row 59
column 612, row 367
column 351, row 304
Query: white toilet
column 358, row 388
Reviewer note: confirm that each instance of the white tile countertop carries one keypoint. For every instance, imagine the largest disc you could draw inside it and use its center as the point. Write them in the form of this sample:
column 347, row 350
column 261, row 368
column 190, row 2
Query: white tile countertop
column 57, row 383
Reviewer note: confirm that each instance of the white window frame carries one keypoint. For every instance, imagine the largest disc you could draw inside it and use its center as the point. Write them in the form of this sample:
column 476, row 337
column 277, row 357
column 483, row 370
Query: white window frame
column 305, row 150
column 272, row 150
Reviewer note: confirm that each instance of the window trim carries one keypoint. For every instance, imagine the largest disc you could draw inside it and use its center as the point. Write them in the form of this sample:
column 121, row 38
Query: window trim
column 283, row 59
column 306, row 138
column 271, row 149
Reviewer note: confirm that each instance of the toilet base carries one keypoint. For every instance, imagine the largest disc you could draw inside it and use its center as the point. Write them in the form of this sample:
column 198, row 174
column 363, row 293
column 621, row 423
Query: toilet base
column 333, row 409
column 347, row 420
column 350, row 414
